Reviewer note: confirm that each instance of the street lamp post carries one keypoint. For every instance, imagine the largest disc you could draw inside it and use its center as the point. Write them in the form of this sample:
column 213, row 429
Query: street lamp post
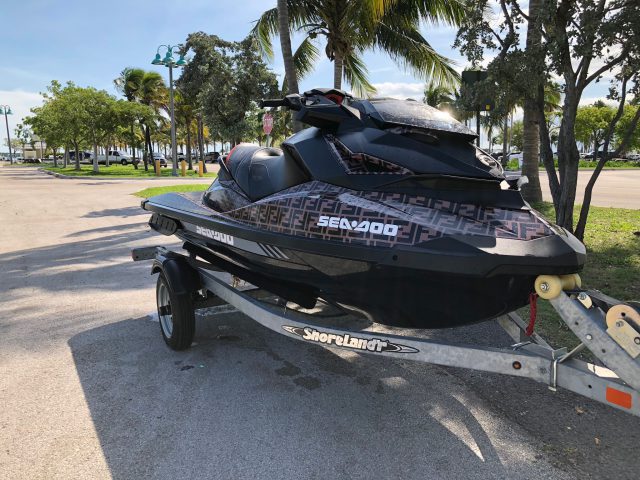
column 169, row 62
column 6, row 110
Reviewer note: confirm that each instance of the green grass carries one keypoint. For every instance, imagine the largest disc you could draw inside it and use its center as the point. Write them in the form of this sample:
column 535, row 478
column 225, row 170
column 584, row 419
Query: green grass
column 121, row 171
column 612, row 266
column 587, row 164
column 153, row 191
column 609, row 164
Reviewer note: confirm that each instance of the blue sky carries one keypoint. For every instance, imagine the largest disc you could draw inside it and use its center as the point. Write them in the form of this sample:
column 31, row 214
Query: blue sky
column 90, row 42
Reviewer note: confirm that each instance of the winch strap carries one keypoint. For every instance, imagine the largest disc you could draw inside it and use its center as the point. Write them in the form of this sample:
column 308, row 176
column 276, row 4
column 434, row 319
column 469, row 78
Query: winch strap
column 533, row 311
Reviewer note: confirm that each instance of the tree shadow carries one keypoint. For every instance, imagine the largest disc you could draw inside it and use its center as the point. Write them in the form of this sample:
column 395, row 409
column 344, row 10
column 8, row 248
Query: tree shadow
column 100, row 263
column 123, row 212
column 245, row 402
column 109, row 228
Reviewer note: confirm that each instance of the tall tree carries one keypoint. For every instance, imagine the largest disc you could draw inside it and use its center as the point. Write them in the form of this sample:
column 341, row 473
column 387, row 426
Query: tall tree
column 291, row 76
column 46, row 123
column 592, row 123
column 531, row 138
column 230, row 78
column 350, row 27
column 98, row 110
column 582, row 40
column 130, row 84
column 152, row 93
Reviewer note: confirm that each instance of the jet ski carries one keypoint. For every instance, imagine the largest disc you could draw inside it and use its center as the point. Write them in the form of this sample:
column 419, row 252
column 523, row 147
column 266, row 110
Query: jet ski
column 383, row 207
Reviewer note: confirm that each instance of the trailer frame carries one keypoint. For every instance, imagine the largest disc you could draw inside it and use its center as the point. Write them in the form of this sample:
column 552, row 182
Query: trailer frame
column 529, row 357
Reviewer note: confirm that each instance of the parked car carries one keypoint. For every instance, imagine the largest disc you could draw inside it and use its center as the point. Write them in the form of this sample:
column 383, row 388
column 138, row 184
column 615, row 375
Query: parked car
column 183, row 156
column 159, row 156
column 591, row 155
column 211, row 157
column 84, row 156
column 117, row 156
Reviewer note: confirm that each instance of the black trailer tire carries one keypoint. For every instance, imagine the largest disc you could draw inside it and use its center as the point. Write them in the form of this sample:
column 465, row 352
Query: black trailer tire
column 178, row 323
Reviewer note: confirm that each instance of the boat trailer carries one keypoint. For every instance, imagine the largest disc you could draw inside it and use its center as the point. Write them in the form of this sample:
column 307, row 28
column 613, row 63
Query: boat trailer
column 610, row 329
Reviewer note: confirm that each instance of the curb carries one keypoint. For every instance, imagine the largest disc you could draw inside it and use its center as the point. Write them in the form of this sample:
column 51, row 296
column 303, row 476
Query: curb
column 112, row 179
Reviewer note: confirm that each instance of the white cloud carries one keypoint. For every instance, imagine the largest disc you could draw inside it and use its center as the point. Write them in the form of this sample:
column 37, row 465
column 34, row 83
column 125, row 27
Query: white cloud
column 400, row 90
column 21, row 103
column 592, row 100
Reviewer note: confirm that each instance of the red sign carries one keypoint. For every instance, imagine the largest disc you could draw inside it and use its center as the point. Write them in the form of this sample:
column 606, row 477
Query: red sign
column 267, row 123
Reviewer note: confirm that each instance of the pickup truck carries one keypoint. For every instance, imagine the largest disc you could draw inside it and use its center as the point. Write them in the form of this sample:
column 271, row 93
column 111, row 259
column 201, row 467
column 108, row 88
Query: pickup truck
column 118, row 156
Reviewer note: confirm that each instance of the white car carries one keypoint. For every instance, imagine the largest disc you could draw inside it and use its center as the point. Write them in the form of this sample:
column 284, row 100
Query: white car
column 117, row 156
column 159, row 156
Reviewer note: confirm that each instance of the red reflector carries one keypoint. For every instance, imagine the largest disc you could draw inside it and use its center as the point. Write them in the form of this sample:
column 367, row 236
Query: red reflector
column 622, row 399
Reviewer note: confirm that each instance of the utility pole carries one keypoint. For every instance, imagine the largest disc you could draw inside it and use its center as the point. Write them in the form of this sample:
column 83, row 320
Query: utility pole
column 6, row 110
column 169, row 62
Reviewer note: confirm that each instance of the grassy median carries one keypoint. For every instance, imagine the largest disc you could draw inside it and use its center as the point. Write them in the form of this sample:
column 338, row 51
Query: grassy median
column 121, row 171
column 153, row 191
column 613, row 265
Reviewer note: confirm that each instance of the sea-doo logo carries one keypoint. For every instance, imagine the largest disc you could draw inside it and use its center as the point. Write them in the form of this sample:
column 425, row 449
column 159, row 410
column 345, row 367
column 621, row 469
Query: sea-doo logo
column 348, row 341
column 212, row 234
column 364, row 226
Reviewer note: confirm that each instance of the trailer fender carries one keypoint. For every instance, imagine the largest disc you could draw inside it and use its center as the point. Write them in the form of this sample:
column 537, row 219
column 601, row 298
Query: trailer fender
column 182, row 277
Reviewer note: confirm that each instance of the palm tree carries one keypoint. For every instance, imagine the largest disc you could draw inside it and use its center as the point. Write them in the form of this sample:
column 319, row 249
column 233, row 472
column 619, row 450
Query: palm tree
column 147, row 88
column 185, row 114
column 129, row 83
column 350, row 27
column 552, row 96
column 285, row 45
column 531, row 136
column 437, row 96
column 153, row 93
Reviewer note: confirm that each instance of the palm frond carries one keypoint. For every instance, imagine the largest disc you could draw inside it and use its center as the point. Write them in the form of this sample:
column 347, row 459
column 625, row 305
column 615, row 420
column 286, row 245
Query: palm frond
column 433, row 12
column 408, row 48
column 305, row 58
column 265, row 28
column 129, row 82
column 355, row 72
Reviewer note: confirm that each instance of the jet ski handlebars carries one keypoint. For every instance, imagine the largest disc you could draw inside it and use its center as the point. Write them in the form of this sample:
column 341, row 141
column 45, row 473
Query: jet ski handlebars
column 314, row 97
column 324, row 108
column 293, row 102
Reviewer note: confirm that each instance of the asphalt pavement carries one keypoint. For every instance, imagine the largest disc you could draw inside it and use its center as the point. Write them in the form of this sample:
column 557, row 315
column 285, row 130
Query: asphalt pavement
column 89, row 390
column 614, row 188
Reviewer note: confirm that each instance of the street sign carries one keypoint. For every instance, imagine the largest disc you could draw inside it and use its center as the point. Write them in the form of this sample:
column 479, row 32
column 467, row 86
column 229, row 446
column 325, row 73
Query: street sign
column 469, row 77
column 267, row 123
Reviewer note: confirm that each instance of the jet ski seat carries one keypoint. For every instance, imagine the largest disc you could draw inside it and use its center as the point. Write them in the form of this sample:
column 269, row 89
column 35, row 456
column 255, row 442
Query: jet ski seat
column 262, row 171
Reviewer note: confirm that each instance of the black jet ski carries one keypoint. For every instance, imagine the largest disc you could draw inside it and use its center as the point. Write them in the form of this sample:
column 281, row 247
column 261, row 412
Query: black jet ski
column 382, row 206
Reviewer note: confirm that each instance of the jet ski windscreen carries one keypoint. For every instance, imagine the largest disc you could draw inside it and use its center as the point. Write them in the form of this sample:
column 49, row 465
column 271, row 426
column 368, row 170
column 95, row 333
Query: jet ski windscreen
column 416, row 114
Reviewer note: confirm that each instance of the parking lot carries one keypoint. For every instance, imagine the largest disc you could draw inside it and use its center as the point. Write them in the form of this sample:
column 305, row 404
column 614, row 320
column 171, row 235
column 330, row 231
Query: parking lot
column 89, row 390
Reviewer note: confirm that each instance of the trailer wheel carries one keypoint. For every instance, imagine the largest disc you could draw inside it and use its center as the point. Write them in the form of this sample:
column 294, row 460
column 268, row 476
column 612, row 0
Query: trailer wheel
column 176, row 315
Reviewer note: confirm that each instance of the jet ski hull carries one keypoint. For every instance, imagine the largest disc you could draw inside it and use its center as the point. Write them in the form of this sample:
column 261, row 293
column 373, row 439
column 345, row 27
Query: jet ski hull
column 446, row 263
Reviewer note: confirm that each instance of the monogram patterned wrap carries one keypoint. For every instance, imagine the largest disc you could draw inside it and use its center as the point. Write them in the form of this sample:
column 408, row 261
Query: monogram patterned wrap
column 361, row 163
column 297, row 210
